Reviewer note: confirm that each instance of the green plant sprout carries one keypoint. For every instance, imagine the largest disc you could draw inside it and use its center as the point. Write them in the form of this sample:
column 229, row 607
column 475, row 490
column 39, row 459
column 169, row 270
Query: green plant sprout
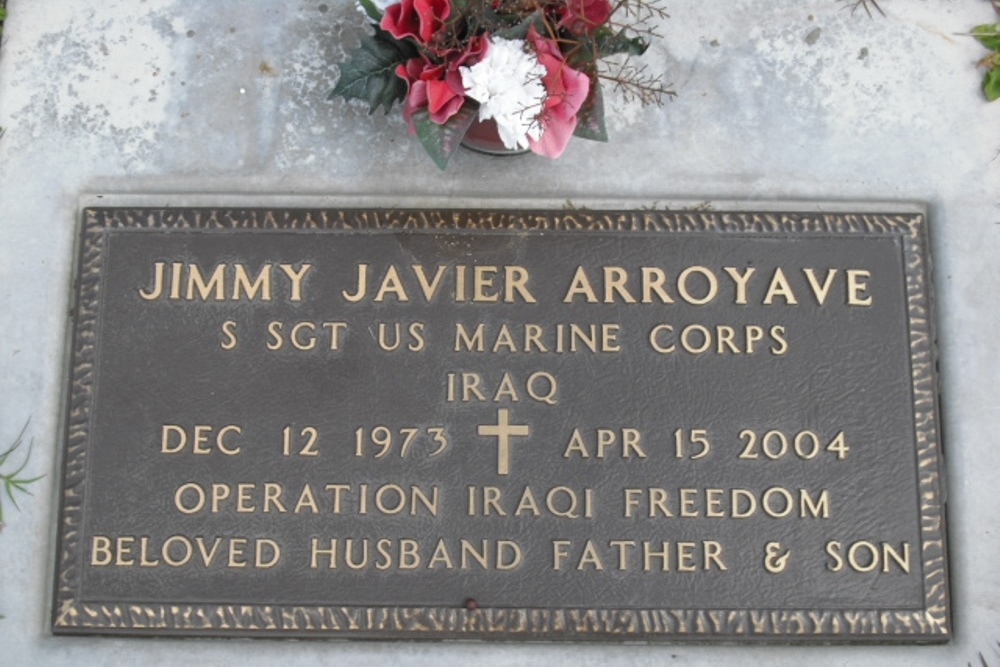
column 988, row 35
column 11, row 481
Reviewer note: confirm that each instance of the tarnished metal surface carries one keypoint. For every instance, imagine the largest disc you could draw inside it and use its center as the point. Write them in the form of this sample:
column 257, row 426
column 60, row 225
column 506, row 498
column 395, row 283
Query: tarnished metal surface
column 503, row 424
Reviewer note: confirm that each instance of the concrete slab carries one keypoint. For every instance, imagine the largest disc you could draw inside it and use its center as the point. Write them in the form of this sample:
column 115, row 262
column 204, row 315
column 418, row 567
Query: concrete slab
column 784, row 99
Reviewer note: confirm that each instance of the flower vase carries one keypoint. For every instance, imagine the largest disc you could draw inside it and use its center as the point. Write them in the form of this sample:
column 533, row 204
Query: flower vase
column 483, row 136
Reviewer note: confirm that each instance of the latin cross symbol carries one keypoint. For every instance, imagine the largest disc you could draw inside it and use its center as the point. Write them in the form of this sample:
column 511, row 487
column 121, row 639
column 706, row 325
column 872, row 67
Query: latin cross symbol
column 502, row 431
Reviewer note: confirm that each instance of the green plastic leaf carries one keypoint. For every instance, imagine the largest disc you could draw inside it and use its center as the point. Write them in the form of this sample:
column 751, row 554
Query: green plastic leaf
column 605, row 43
column 441, row 141
column 370, row 73
column 988, row 34
column 373, row 12
column 520, row 30
column 611, row 43
column 991, row 84
column 590, row 117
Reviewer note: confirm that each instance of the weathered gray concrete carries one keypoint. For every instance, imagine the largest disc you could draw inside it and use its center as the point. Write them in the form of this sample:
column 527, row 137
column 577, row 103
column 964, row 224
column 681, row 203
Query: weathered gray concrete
column 778, row 99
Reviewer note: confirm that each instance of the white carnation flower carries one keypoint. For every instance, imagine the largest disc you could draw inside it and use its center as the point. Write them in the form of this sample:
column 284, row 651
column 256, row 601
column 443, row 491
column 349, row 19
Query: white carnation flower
column 507, row 83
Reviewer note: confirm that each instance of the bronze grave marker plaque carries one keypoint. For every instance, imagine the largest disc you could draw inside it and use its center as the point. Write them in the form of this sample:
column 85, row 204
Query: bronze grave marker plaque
column 496, row 424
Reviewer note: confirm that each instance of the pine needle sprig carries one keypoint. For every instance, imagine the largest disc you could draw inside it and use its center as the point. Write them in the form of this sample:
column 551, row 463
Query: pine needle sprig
column 640, row 17
column 634, row 83
column 867, row 6
column 642, row 11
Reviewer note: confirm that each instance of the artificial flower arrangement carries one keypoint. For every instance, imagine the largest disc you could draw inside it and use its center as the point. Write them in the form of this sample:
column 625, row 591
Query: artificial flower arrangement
column 534, row 67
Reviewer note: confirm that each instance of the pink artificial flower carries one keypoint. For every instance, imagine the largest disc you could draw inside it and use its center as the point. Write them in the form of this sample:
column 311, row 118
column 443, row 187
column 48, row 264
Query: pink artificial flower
column 418, row 19
column 438, row 86
column 582, row 17
column 566, row 91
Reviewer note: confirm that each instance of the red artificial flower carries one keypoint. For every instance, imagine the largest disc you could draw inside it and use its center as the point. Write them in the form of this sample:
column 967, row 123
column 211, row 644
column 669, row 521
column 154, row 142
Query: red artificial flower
column 584, row 16
column 566, row 91
column 438, row 86
column 418, row 19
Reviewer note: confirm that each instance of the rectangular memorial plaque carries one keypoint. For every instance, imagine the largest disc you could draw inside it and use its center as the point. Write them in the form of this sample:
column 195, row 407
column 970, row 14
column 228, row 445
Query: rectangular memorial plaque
column 497, row 424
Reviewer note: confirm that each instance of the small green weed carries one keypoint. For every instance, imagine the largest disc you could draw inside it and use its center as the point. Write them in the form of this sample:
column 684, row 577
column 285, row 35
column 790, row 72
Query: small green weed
column 12, row 481
column 988, row 35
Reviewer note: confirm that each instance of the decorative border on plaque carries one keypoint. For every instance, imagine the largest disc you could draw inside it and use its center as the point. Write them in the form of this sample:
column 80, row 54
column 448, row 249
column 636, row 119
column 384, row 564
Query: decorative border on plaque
column 932, row 623
column 540, row 624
